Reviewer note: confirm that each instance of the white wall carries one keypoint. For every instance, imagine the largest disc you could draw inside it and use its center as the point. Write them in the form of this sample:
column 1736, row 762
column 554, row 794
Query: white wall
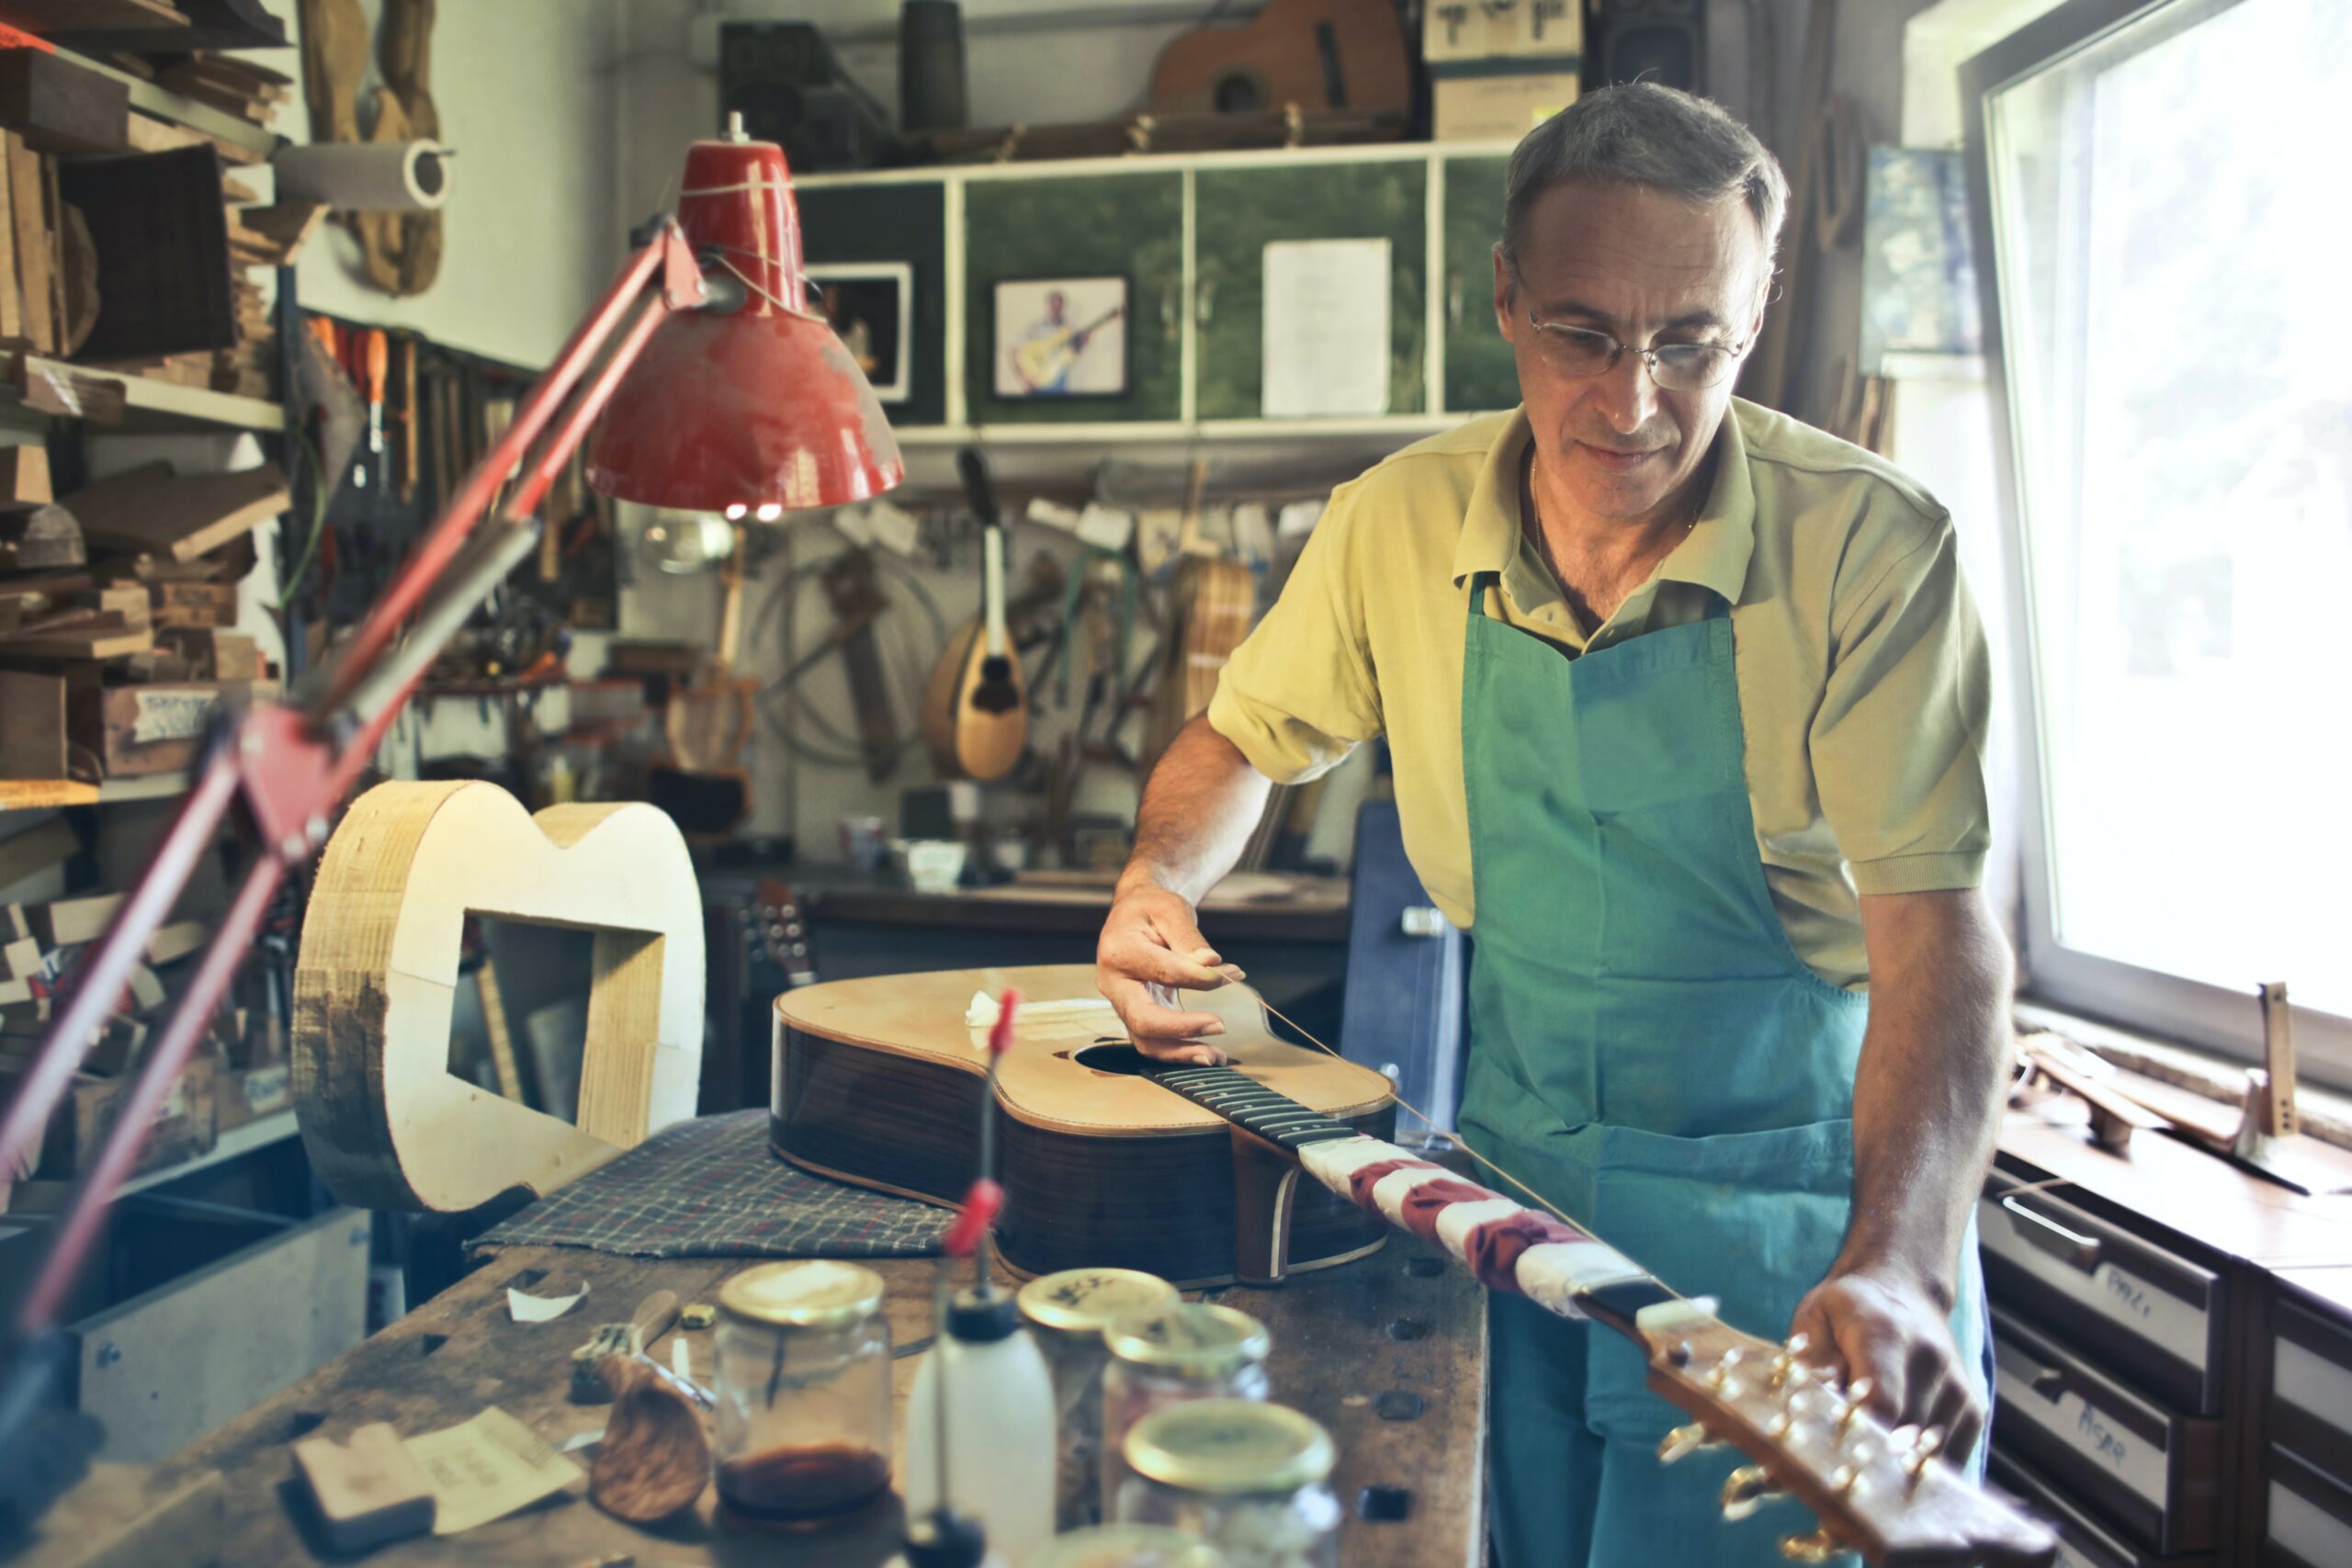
column 525, row 94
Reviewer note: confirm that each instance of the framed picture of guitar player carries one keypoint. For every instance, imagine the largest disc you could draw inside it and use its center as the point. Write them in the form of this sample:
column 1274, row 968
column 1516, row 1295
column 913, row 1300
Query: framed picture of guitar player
column 871, row 306
column 1061, row 337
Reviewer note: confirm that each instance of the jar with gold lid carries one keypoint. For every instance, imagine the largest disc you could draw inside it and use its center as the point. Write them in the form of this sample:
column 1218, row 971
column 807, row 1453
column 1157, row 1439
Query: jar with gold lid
column 803, row 1427
column 1188, row 1351
column 1249, row 1479
column 1067, row 1312
column 1126, row 1545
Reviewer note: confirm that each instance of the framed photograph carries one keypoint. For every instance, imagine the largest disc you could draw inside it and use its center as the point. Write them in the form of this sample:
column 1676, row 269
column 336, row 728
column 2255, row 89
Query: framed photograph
column 871, row 306
column 1061, row 337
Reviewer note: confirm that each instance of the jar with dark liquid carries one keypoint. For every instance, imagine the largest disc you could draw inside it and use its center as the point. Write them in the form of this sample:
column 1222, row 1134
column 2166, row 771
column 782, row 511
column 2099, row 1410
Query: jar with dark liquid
column 803, row 1429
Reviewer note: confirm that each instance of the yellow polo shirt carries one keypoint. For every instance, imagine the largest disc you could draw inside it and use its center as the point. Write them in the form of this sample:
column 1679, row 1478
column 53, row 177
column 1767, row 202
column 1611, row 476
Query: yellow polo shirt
column 1861, row 666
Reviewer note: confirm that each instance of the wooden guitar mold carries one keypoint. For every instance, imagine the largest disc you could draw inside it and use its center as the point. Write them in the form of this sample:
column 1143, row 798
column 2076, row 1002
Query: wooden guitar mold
column 386, row 1124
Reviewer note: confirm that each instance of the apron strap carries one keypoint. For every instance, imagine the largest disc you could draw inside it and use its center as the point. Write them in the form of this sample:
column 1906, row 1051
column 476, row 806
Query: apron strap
column 1481, row 583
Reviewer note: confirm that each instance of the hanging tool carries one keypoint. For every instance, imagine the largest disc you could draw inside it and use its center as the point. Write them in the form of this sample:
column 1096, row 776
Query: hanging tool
column 376, row 353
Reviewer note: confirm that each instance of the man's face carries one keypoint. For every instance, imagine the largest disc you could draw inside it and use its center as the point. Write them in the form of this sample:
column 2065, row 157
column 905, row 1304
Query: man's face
column 1649, row 270
column 1054, row 306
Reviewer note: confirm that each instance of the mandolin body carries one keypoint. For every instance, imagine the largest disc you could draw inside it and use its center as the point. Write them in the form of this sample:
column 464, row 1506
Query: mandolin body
column 879, row 1082
column 965, row 740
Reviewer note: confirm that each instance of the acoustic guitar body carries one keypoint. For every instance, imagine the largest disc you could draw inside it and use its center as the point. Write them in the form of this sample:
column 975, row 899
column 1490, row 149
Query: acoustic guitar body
column 879, row 1082
column 1318, row 54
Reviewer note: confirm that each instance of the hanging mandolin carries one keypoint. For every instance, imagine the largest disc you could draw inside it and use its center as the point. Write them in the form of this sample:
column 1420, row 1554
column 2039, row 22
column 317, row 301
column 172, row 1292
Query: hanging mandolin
column 1109, row 1154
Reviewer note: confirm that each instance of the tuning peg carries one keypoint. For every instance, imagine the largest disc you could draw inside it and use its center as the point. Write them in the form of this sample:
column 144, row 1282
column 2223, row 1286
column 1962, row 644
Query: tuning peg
column 1924, row 1450
column 1818, row 1546
column 1856, row 1401
column 1849, row 1476
column 1722, row 1369
column 1745, row 1487
column 1684, row 1441
column 1786, row 1362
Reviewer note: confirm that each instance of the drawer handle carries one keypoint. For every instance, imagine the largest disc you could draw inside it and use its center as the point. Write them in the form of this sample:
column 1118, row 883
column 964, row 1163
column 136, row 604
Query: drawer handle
column 2047, row 1234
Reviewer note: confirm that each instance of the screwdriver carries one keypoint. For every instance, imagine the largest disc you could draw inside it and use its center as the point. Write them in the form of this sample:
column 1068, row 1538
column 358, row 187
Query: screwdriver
column 378, row 353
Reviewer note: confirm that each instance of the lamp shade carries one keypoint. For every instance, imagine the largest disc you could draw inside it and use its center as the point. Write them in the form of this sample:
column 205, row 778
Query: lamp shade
column 751, row 408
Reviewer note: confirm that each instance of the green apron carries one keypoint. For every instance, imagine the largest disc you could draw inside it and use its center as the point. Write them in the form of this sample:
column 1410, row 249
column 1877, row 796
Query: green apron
column 1648, row 1051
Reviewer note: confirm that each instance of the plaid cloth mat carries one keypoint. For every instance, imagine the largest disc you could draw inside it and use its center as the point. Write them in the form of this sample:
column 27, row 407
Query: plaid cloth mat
column 709, row 1188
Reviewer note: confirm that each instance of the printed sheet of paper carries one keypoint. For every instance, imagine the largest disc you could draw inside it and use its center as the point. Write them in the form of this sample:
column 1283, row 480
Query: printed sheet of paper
column 486, row 1468
column 1326, row 336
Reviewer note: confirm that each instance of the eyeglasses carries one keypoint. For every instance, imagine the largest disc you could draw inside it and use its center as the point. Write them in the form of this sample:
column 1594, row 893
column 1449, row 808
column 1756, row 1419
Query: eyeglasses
column 1581, row 353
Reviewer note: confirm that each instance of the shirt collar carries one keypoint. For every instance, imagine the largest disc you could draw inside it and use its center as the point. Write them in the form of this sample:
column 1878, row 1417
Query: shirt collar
column 1714, row 554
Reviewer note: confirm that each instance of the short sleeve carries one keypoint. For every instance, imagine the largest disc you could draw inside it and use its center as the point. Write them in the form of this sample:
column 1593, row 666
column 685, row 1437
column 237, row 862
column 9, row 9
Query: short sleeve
column 1298, row 694
column 1898, row 743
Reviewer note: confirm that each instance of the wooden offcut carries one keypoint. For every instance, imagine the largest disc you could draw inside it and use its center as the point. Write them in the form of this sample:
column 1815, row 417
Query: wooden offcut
column 24, row 476
column 32, row 723
column 36, row 246
column 67, row 922
column 386, row 1124
column 78, row 636
column 60, row 107
column 151, row 511
column 368, row 1490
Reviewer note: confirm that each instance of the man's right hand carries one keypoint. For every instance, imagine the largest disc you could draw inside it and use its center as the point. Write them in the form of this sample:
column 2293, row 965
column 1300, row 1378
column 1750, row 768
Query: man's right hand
column 1151, row 946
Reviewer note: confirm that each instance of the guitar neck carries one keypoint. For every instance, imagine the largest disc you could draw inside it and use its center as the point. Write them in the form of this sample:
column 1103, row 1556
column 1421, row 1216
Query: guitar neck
column 992, row 587
column 1611, row 1289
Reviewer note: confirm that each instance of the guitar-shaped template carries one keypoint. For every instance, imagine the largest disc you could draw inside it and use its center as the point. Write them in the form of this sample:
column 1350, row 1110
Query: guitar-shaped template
column 1110, row 1158
column 1042, row 359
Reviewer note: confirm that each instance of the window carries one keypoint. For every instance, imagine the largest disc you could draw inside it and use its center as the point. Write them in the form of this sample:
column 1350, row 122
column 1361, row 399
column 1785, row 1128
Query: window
column 2160, row 187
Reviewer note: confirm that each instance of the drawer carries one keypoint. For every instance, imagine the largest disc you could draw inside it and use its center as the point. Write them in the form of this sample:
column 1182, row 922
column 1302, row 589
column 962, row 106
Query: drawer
column 2310, row 1516
column 2147, row 1314
column 2083, row 1541
column 2311, row 1390
column 2145, row 1466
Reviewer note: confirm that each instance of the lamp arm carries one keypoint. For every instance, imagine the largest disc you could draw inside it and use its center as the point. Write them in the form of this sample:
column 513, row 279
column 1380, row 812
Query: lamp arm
column 289, row 767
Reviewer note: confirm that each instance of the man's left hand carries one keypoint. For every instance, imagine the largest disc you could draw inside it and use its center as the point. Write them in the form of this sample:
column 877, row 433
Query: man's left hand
column 1892, row 1331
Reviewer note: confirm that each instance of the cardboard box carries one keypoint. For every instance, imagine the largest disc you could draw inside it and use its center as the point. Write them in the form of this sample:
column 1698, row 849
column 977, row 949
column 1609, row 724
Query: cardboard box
column 150, row 728
column 1497, row 108
column 1457, row 30
column 184, row 1124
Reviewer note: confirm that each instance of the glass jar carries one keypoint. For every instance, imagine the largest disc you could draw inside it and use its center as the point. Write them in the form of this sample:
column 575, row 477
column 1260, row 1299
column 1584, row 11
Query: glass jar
column 803, row 1429
column 1248, row 1479
column 1067, row 1312
column 1191, row 1350
column 1126, row 1545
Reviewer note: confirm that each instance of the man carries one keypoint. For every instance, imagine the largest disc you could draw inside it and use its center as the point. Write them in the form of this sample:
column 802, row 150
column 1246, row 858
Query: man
column 1688, row 707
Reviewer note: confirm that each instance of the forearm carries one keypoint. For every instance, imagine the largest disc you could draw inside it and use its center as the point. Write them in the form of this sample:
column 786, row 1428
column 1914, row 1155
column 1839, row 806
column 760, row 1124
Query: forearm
column 1199, row 808
column 1927, row 1093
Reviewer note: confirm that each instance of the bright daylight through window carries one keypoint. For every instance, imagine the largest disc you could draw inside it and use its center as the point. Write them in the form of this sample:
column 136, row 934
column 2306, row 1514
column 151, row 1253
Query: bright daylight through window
column 2171, row 226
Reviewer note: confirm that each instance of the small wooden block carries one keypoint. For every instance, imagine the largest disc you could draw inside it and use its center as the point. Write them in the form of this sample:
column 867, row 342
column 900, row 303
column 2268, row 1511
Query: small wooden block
column 369, row 1490
column 70, row 921
column 24, row 474
column 20, row 960
column 176, row 941
column 151, row 510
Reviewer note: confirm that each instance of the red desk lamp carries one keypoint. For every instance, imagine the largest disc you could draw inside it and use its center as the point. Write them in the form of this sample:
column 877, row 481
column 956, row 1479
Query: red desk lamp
column 725, row 394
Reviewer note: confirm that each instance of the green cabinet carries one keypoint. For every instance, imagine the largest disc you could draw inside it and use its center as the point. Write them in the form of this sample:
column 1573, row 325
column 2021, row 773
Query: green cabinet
column 1479, row 372
column 879, row 255
column 1025, row 230
column 1238, row 212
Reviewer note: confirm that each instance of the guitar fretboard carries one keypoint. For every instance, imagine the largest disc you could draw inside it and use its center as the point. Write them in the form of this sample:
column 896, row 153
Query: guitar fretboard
column 1251, row 1106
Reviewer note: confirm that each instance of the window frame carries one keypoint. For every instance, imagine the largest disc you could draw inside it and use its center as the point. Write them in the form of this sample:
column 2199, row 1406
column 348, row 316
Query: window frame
column 2216, row 1018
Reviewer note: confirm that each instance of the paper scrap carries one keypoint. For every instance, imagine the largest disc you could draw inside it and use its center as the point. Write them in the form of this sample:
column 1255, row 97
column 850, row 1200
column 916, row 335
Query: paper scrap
column 1298, row 519
column 544, row 1309
column 486, row 1468
column 166, row 715
column 982, row 1013
column 1106, row 527
column 1326, row 332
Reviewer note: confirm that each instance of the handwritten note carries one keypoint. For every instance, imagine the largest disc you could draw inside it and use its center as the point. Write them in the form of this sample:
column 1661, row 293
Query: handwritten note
column 167, row 714
column 486, row 1468
column 1326, row 328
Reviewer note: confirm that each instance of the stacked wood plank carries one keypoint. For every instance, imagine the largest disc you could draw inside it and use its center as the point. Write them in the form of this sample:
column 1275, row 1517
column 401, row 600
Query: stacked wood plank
column 117, row 611
column 231, row 84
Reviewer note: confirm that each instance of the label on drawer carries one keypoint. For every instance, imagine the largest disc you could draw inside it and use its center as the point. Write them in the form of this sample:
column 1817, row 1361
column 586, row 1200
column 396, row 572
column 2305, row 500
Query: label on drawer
column 2308, row 1530
column 2150, row 1310
column 2106, row 1442
column 2313, row 1384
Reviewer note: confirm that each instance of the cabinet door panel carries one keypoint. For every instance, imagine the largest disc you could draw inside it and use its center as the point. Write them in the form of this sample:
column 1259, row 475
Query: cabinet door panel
column 1479, row 373
column 891, row 225
column 1130, row 226
column 1239, row 212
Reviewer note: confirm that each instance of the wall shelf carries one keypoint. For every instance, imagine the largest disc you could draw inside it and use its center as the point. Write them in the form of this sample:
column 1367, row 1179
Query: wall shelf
column 162, row 102
column 25, row 795
column 153, row 404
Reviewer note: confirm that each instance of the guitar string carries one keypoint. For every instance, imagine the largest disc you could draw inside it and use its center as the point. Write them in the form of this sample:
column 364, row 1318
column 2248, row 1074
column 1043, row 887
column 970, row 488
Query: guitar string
column 1423, row 1117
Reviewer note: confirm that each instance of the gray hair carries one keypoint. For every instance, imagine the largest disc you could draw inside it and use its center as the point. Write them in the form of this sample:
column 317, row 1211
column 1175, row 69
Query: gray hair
column 1642, row 133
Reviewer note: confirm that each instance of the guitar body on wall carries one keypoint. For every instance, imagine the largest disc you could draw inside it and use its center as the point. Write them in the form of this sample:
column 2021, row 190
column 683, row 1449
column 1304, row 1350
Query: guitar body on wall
column 976, row 707
column 1317, row 54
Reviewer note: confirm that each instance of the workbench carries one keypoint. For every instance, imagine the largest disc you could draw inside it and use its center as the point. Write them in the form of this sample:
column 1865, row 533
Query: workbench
column 1389, row 1352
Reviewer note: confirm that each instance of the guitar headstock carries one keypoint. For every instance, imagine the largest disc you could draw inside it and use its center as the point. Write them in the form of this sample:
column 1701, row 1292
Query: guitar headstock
column 1890, row 1494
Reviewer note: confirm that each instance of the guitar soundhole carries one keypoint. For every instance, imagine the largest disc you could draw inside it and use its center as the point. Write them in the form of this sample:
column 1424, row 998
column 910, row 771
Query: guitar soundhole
column 1122, row 1059
column 1238, row 91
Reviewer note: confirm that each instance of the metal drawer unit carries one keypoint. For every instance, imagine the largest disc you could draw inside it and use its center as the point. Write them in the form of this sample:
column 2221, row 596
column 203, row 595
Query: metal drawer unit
column 2083, row 1541
column 2147, row 1314
column 2307, row 1469
column 2145, row 1466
